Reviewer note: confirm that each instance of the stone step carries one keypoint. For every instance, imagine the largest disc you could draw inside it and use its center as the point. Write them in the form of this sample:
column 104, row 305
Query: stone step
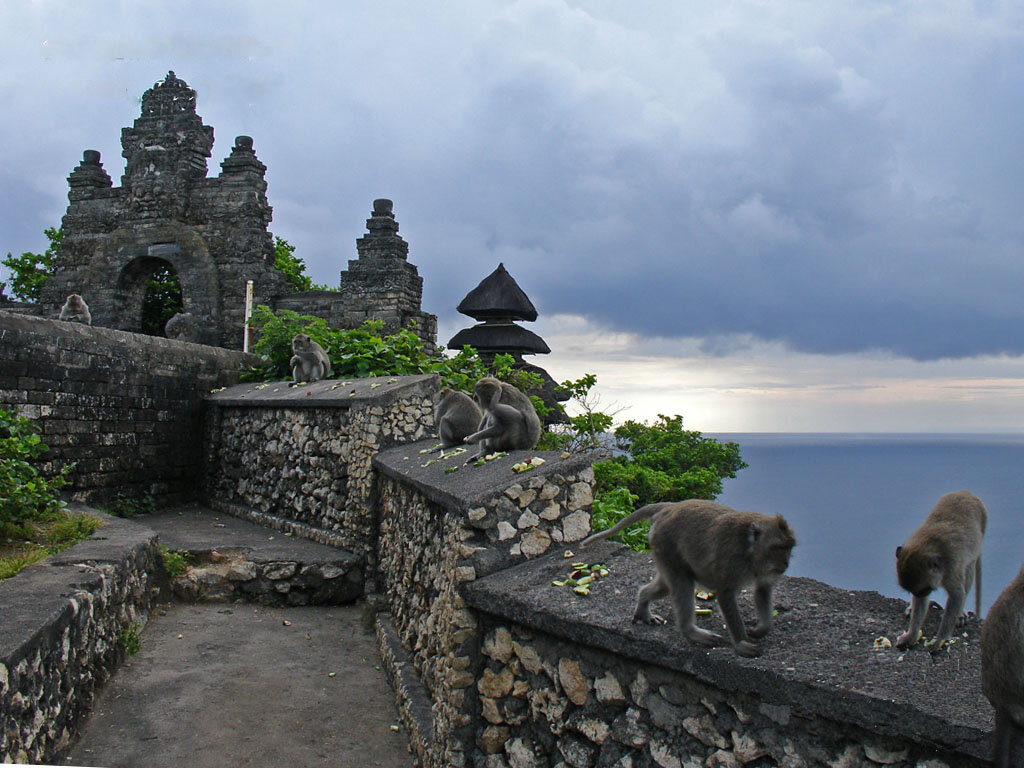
column 236, row 559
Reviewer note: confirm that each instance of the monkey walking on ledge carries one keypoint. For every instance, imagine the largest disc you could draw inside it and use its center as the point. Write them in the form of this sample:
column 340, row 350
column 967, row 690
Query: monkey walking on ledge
column 945, row 551
column 722, row 549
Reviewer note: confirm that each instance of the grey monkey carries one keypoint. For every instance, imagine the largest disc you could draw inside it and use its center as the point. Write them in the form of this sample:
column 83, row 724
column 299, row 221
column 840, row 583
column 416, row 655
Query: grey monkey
column 945, row 551
column 456, row 415
column 724, row 550
column 309, row 361
column 1002, row 666
column 509, row 420
column 75, row 310
column 183, row 327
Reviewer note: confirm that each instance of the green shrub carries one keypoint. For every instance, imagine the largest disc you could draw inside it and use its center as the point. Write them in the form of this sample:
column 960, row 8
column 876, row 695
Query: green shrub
column 176, row 561
column 355, row 353
column 25, row 495
column 659, row 462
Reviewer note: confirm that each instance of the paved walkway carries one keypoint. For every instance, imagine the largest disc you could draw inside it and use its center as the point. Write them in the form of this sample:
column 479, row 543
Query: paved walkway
column 239, row 684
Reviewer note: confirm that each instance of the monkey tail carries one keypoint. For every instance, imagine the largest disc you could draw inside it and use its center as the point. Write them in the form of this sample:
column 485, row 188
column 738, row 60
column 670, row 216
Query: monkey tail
column 977, row 587
column 644, row 513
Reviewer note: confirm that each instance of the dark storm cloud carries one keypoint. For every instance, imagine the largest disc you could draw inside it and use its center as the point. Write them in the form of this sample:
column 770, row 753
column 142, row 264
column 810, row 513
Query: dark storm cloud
column 838, row 177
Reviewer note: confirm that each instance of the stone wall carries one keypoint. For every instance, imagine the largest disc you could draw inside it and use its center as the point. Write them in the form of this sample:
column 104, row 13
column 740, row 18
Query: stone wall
column 298, row 458
column 566, row 679
column 496, row 666
column 64, row 628
column 126, row 408
column 444, row 524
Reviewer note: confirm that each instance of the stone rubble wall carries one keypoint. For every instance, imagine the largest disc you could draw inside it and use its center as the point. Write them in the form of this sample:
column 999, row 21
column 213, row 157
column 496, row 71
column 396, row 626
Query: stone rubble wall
column 438, row 534
column 305, row 467
column 548, row 702
column 127, row 408
column 66, row 623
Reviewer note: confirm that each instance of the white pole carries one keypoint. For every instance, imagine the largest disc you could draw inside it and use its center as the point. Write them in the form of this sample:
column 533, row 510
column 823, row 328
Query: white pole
column 248, row 314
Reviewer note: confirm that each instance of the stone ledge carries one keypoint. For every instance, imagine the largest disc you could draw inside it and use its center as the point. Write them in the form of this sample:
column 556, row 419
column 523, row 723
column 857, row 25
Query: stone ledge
column 63, row 620
column 330, row 393
column 94, row 338
column 412, row 698
column 818, row 659
column 469, row 486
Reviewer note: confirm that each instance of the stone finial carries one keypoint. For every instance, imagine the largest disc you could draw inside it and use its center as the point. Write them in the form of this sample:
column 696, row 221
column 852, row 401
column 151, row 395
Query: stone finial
column 243, row 158
column 382, row 221
column 168, row 96
column 89, row 174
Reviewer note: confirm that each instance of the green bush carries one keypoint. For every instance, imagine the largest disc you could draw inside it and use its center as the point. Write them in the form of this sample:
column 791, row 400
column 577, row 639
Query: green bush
column 25, row 495
column 659, row 462
column 356, row 353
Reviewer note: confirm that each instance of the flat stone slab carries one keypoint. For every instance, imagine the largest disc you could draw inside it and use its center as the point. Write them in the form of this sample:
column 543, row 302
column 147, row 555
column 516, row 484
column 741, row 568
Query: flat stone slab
column 337, row 393
column 449, row 481
column 196, row 529
column 819, row 656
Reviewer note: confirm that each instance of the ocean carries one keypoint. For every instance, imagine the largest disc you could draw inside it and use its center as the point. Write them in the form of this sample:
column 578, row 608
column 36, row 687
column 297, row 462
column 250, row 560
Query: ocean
column 853, row 498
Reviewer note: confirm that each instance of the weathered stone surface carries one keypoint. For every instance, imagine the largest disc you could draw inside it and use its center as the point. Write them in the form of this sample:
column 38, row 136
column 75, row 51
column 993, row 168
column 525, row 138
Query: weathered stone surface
column 495, row 684
column 572, row 681
column 608, row 690
column 535, row 542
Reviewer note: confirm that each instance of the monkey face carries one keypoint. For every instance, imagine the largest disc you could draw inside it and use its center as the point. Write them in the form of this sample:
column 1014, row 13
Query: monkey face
column 300, row 343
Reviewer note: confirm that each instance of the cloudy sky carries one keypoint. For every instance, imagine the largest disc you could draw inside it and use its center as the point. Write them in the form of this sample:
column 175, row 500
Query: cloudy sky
column 766, row 216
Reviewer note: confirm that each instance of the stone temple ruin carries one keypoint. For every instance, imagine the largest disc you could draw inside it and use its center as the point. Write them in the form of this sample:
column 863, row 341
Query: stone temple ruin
column 211, row 231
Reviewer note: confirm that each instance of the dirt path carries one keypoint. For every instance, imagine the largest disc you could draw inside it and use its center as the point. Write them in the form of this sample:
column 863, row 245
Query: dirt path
column 246, row 685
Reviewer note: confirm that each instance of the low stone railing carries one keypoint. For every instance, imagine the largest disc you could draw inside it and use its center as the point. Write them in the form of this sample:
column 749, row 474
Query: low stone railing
column 64, row 627
column 443, row 525
column 297, row 457
column 495, row 666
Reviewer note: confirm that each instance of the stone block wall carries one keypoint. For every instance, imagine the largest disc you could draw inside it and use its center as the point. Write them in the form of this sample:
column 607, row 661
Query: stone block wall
column 567, row 680
column 63, row 633
column 298, row 458
column 444, row 524
column 127, row 408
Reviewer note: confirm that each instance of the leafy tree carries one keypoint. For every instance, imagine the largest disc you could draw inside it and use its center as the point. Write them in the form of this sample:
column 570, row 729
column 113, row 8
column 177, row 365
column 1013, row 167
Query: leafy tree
column 25, row 495
column 30, row 270
column 292, row 266
column 659, row 462
column 161, row 301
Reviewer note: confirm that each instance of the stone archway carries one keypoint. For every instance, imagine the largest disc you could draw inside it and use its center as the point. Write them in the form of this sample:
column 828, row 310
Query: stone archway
column 131, row 258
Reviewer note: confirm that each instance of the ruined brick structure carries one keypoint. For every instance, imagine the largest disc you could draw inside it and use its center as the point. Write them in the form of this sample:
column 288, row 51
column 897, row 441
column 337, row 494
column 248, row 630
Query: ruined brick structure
column 380, row 285
column 211, row 231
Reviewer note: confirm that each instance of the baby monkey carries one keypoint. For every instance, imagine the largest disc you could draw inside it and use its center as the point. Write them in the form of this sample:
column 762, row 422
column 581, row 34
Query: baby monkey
column 1002, row 666
column 309, row 361
column 722, row 549
column 456, row 415
column 944, row 552
column 75, row 310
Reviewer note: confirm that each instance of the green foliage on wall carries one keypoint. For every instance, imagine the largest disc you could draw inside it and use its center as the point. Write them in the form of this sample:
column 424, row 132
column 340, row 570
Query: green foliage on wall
column 30, row 271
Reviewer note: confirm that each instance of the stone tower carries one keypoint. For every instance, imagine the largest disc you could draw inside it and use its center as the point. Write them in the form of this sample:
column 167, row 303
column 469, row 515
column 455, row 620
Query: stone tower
column 167, row 212
column 381, row 284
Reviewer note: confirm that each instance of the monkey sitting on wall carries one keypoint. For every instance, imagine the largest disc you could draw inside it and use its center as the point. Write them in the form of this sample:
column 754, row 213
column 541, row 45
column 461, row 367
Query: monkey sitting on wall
column 509, row 421
column 1002, row 666
column 944, row 552
column 183, row 327
column 456, row 416
column 75, row 310
column 309, row 361
column 722, row 549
